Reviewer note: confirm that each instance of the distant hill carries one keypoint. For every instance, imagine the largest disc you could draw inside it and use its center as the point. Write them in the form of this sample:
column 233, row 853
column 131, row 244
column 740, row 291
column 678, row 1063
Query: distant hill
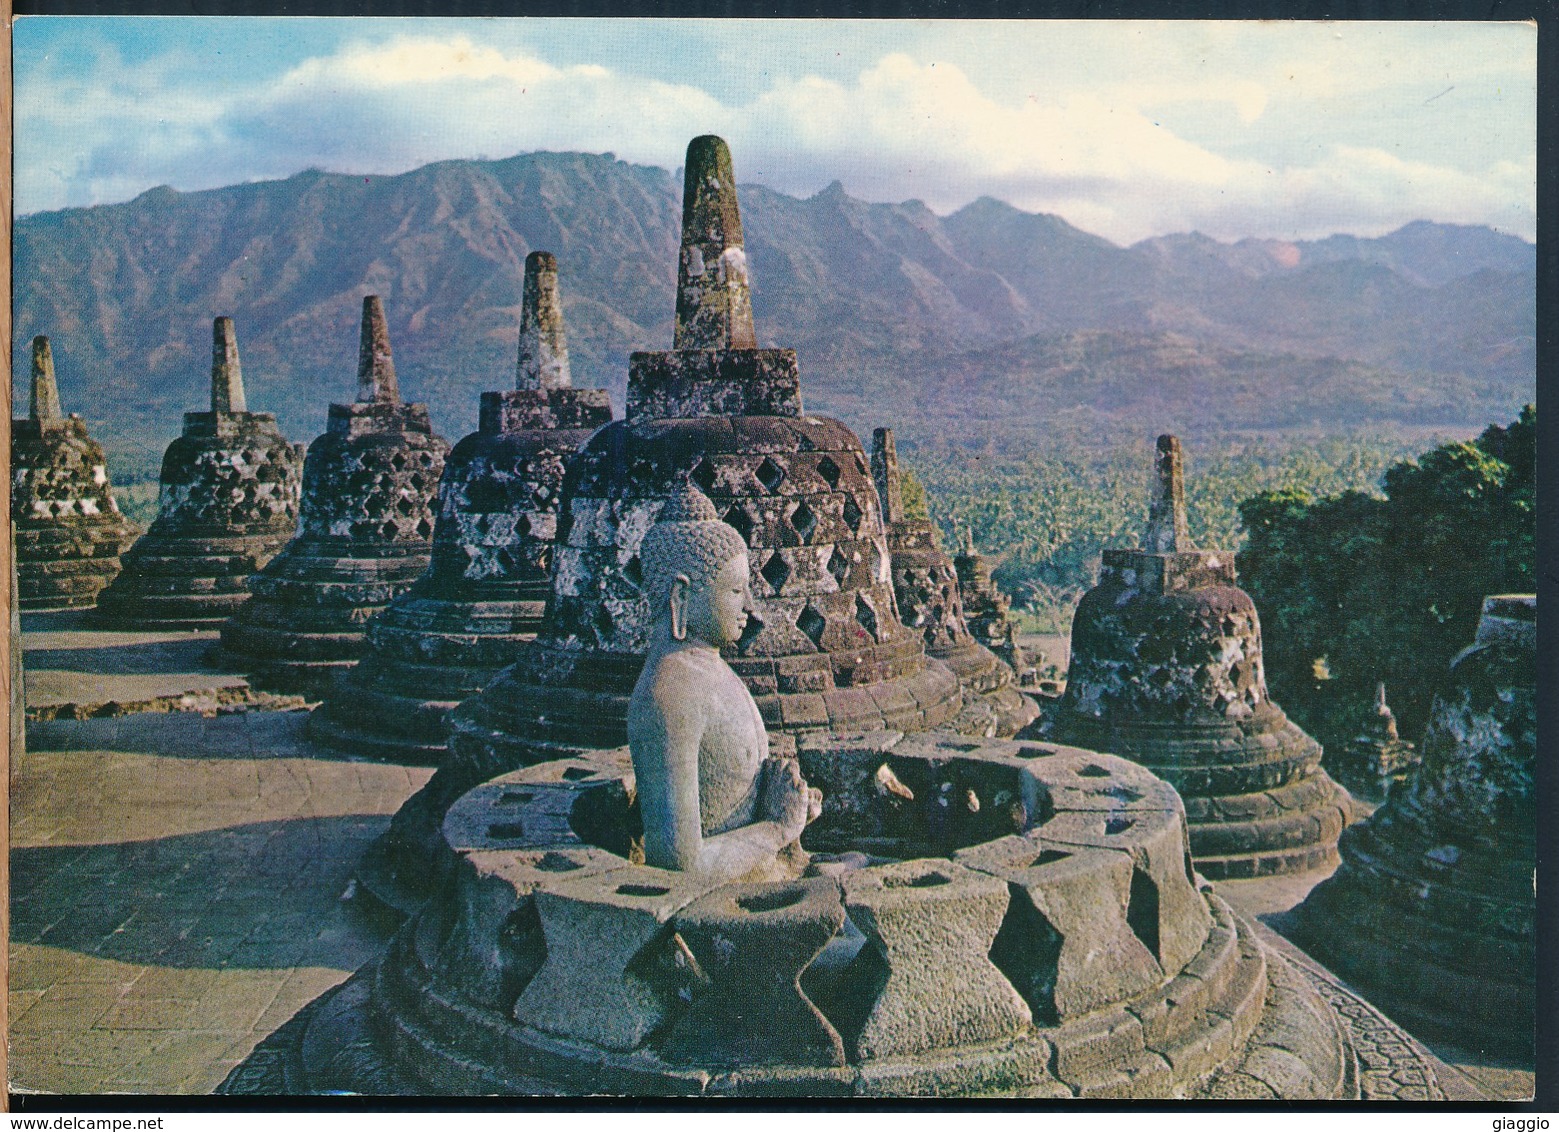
column 989, row 326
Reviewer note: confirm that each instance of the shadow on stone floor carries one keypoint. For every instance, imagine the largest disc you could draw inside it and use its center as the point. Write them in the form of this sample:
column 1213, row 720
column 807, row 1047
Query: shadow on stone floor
column 133, row 658
column 262, row 895
column 188, row 735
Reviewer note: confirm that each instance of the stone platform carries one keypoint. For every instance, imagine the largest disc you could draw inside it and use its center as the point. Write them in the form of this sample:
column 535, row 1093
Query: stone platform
column 1054, row 881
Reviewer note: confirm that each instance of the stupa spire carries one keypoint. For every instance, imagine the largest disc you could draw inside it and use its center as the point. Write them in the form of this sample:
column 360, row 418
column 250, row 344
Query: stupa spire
column 1168, row 532
column 45, row 403
column 375, row 364
column 227, row 376
column 885, row 471
column 714, row 300
column 543, row 360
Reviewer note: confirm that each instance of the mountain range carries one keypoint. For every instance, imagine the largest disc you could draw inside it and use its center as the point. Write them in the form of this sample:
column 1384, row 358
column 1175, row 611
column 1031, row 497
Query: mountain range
column 990, row 326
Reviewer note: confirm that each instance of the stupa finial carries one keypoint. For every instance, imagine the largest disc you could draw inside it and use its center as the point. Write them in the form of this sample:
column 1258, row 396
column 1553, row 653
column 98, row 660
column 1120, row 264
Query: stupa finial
column 714, row 300
column 885, row 471
column 45, row 403
column 375, row 364
column 227, row 376
column 1168, row 532
column 543, row 345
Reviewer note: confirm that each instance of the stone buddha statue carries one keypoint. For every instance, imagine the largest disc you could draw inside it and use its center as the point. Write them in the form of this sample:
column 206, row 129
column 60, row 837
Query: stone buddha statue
column 711, row 798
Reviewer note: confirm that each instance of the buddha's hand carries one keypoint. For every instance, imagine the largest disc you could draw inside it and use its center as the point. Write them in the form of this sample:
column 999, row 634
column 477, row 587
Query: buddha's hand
column 787, row 799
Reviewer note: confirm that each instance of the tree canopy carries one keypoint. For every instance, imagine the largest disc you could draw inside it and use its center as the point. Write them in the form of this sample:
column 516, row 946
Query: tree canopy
column 1388, row 588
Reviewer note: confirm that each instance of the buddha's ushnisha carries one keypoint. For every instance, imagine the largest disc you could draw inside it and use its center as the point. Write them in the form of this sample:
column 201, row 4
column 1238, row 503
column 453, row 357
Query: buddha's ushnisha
column 711, row 798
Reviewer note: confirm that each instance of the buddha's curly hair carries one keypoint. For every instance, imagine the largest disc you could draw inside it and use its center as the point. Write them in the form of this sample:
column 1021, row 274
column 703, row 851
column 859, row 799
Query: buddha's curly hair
column 687, row 537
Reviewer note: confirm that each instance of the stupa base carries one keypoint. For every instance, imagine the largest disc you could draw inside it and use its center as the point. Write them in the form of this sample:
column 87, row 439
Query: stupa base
column 466, row 1000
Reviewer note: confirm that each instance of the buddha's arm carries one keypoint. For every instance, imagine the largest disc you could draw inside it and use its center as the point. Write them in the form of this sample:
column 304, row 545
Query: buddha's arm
column 669, row 806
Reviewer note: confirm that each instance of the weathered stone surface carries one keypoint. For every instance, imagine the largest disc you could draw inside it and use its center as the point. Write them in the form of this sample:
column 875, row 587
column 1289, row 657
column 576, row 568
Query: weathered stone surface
column 367, row 525
column 926, row 588
column 67, row 528
column 1068, row 943
column 1166, row 670
column 596, row 985
column 922, row 919
column 228, row 503
column 753, row 942
column 1432, row 911
column 483, row 594
column 776, row 990
column 1378, row 759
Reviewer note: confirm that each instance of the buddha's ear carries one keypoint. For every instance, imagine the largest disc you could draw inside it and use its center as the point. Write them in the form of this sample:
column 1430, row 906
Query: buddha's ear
column 679, row 588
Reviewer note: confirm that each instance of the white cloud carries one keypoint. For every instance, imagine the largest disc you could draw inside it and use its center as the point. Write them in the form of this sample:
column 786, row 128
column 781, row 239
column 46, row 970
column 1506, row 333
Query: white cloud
column 1200, row 132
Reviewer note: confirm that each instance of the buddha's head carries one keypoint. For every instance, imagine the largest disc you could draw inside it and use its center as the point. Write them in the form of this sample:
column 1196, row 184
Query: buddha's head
column 695, row 571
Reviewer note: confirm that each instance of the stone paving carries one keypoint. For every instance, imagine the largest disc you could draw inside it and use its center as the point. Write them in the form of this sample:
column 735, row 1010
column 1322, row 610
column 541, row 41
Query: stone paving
column 176, row 884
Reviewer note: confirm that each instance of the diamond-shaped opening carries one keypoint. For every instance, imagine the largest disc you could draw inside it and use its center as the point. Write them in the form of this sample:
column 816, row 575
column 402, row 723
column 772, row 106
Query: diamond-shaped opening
column 389, row 529
column 739, row 519
column 522, row 949
column 522, row 526
column 603, row 624
column 838, row 565
column 804, row 520
column 703, row 474
column 398, row 461
column 425, row 458
column 406, row 505
column 1142, row 910
column 845, row 981
column 776, row 571
column 812, row 623
column 829, row 470
column 424, row 529
column 769, row 474
column 1027, row 950
column 633, row 570
column 852, row 514
column 866, row 615
column 750, row 633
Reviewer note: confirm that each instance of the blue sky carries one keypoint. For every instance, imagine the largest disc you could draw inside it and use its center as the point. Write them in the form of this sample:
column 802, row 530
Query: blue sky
column 1128, row 130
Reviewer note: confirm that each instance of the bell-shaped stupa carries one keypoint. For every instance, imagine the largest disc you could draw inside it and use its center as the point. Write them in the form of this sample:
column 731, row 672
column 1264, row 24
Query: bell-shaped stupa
column 366, row 533
column 925, row 585
column 1166, row 670
column 827, row 650
column 444, row 639
column 69, row 532
column 228, row 504
column 1432, row 912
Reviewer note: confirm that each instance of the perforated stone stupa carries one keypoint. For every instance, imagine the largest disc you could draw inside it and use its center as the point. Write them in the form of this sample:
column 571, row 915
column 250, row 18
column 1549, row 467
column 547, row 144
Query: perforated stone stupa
column 1432, row 912
column 228, row 503
column 366, row 532
column 1051, row 941
column 988, row 612
column 464, row 620
column 1166, row 670
column 69, row 532
column 925, row 585
column 827, row 649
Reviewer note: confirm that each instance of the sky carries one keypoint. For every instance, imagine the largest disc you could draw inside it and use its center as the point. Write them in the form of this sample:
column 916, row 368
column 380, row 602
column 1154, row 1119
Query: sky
column 1127, row 130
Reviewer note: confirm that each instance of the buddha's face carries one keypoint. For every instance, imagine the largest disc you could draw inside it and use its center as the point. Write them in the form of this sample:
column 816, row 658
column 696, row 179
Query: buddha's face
column 717, row 612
